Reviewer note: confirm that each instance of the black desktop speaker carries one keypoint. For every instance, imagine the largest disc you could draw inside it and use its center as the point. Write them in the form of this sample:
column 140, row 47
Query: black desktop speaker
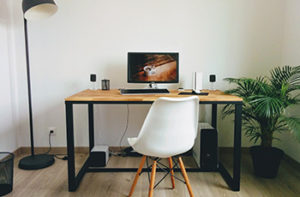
column 212, row 78
column 93, row 77
column 99, row 156
column 209, row 149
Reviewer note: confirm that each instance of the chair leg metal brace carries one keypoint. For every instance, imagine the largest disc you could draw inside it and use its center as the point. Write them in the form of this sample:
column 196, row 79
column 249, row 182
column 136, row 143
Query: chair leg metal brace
column 153, row 172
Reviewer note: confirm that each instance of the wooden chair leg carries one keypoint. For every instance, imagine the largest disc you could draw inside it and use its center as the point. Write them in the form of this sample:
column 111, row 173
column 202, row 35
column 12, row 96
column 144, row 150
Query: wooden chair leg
column 185, row 177
column 151, row 188
column 137, row 175
column 172, row 172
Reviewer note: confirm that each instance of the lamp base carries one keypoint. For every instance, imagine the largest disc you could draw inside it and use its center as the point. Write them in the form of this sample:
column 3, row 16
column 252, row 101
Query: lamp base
column 35, row 162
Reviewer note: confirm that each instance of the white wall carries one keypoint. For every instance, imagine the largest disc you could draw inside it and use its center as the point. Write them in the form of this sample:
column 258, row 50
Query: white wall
column 291, row 56
column 232, row 38
column 9, row 126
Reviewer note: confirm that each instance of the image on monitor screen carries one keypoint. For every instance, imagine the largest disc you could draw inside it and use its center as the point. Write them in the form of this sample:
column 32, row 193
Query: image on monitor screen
column 153, row 67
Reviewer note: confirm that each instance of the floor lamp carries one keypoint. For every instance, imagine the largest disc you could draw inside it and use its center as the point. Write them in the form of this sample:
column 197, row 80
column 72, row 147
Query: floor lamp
column 35, row 10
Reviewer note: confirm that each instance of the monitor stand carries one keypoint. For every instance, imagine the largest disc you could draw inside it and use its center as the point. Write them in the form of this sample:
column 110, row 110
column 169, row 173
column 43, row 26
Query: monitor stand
column 153, row 85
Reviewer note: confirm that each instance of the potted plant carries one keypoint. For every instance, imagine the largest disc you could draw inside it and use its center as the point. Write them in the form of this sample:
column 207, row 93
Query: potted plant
column 265, row 100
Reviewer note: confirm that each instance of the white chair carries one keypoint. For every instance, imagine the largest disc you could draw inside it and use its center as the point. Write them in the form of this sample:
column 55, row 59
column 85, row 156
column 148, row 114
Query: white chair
column 169, row 129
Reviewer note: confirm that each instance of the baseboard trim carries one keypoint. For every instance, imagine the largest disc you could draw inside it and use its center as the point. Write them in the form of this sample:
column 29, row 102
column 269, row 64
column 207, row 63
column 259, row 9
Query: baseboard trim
column 54, row 150
column 291, row 161
column 60, row 150
column 63, row 150
column 246, row 150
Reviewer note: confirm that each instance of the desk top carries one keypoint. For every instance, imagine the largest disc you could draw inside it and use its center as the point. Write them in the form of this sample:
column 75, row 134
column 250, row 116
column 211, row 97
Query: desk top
column 115, row 96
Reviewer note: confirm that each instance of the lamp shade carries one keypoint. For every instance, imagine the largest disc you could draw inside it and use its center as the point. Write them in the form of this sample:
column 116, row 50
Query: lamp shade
column 38, row 9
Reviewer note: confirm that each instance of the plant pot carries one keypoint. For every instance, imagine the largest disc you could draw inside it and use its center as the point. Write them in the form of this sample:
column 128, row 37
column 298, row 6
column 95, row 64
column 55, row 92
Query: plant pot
column 266, row 161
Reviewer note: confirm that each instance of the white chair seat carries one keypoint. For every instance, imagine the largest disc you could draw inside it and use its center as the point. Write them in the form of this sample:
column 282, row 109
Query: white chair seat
column 157, row 151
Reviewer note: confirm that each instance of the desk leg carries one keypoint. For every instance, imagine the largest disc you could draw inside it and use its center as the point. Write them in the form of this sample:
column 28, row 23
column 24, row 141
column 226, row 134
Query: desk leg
column 237, row 147
column 91, row 126
column 70, row 146
column 234, row 182
column 214, row 116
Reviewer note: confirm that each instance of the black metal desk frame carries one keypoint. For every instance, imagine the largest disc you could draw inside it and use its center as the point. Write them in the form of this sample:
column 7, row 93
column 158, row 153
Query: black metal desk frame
column 74, row 181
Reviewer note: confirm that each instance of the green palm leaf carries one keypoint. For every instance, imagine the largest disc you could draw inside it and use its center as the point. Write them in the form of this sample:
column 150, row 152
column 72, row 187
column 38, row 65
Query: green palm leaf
column 267, row 106
column 292, row 123
column 280, row 75
column 264, row 103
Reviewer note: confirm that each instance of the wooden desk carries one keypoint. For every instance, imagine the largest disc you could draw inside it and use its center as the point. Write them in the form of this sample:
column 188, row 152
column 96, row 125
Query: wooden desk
column 115, row 96
column 91, row 97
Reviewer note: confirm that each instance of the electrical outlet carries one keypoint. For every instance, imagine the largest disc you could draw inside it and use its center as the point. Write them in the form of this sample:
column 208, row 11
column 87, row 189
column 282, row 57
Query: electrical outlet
column 52, row 129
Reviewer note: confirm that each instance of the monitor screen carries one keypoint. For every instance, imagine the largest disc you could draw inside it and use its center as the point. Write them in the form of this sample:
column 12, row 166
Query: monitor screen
column 153, row 67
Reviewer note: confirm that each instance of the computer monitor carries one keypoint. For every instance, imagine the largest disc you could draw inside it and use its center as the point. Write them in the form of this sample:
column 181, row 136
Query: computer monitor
column 153, row 67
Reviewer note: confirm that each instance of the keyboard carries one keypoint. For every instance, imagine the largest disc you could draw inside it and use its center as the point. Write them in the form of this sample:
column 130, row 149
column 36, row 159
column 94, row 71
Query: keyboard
column 194, row 93
column 144, row 91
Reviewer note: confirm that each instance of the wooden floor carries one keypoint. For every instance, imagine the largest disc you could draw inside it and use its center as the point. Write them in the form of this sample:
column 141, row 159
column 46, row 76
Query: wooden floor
column 52, row 182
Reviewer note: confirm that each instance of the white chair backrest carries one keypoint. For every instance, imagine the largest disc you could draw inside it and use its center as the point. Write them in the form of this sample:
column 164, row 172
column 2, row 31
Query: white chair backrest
column 170, row 126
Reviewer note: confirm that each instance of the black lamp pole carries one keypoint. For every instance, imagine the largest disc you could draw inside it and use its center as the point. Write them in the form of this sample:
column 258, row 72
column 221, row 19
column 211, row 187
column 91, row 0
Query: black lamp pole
column 35, row 9
column 29, row 88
